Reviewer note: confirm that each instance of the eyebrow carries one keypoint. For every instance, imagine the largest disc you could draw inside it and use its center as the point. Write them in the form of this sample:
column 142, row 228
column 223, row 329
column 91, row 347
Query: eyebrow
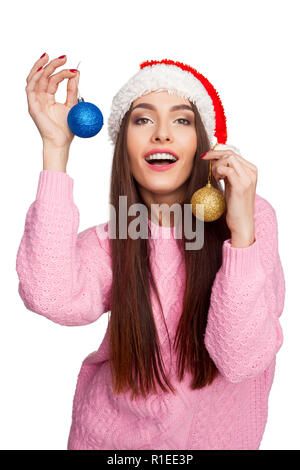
column 173, row 108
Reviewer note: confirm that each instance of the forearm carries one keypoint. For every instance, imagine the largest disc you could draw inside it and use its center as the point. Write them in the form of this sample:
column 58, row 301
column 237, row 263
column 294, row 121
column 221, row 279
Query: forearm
column 63, row 275
column 55, row 158
column 244, row 237
column 243, row 333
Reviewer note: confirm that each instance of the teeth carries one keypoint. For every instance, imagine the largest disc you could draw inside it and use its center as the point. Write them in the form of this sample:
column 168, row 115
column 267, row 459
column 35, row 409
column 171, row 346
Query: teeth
column 161, row 156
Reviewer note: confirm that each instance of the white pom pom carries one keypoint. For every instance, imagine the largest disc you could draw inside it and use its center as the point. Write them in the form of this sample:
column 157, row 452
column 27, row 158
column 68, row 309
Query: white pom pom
column 229, row 147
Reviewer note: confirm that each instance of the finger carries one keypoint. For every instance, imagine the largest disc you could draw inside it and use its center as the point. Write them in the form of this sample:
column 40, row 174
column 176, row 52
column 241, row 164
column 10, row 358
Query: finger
column 223, row 172
column 72, row 91
column 244, row 166
column 32, row 83
column 217, row 154
column 230, row 160
column 48, row 70
column 240, row 158
column 57, row 78
column 38, row 63
column 227, row 147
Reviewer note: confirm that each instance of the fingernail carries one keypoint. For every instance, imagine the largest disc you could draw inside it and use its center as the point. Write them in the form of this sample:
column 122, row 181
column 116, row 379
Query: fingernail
column 39, row 69
column 73, row 70
column 43, row 55
column 203, row 155
column 61, row 57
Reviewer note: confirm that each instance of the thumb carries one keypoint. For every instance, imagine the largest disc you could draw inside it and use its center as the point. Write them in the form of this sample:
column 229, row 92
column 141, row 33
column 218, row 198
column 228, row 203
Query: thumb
column 72, row 90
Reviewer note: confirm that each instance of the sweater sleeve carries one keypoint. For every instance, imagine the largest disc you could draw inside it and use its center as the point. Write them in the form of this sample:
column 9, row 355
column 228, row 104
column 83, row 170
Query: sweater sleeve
column 63, row 275
column 243, row 333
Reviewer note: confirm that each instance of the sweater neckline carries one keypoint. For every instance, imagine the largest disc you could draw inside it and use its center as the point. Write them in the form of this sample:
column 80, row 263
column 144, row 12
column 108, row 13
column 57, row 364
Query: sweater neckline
column 161, row 231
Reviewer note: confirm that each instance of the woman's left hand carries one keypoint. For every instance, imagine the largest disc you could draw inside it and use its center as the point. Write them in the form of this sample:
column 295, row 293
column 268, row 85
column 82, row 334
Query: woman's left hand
column 240, row 178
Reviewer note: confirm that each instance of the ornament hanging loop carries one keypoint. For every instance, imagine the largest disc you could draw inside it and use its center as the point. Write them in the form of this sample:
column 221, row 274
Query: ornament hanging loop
column 79, row 97
column 211, row 198
column 85, row 119
column 209, row 174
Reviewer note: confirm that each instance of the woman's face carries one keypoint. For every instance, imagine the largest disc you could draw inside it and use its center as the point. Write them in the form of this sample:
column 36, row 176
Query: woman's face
column 155, row 126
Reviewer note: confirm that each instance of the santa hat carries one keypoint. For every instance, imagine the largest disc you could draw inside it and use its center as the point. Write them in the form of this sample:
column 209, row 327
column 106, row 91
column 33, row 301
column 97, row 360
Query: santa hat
column 177, row 78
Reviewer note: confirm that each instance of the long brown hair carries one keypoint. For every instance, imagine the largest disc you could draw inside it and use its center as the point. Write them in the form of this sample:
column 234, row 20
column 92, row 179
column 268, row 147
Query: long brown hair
column 134, row 348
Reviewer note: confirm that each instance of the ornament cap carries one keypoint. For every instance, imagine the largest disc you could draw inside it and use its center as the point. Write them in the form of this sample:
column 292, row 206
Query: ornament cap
column 80, row 99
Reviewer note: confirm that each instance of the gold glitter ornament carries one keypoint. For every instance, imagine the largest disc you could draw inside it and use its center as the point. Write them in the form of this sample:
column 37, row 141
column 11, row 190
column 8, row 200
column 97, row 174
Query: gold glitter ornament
column 212, row 199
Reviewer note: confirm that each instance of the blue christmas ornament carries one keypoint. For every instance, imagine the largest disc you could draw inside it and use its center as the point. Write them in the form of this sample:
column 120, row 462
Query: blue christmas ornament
column 85, row 119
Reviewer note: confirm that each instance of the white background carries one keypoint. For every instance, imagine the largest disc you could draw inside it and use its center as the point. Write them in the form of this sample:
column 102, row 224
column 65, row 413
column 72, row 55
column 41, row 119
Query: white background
column 249, row 50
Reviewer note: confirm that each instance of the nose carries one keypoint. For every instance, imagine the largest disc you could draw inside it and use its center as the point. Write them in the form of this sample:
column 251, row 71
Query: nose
column 161, row 138
column 161, row 135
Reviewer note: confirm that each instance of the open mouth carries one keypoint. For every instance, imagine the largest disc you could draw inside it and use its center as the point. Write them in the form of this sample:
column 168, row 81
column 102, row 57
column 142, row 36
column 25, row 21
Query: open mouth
column 161, row 159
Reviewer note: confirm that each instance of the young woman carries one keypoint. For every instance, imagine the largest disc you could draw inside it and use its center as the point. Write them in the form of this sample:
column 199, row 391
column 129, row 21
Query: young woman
column 188, row 358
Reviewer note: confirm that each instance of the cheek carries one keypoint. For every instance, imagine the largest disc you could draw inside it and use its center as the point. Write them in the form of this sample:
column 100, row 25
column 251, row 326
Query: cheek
column 134, row 142
column 188, row 139
column 190, row 145
column 134, row 150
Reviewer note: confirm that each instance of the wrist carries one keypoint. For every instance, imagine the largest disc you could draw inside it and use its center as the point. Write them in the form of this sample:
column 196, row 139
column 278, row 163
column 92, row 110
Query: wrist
column 55, row 157
column 242, row 240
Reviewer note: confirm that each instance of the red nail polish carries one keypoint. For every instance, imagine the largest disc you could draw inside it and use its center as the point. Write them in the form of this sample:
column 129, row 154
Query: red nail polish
column 73, row 70
column 61, row 57
column 43, row 55
column 203, row 155
column 39, row 69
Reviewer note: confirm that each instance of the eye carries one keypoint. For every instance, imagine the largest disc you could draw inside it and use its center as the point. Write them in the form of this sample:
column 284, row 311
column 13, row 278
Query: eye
column 140, row 119
column 182, row 119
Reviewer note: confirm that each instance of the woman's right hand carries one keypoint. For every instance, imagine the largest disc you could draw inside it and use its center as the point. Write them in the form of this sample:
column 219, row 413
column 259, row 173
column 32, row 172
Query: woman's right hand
column 49, row 116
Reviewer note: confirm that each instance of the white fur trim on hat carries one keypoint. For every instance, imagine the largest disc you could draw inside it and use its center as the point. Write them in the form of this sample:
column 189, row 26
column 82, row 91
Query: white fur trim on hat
column 162, row 77
column 228, row 147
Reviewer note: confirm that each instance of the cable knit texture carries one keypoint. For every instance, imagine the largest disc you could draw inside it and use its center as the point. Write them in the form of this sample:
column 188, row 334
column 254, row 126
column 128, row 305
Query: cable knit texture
column 67, row 277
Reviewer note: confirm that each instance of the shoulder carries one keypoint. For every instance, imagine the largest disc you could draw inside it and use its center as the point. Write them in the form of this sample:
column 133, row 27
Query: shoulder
column 264, row 213
column 266, row 231
column 262, row 204
column 95, row 237
column 101, row 231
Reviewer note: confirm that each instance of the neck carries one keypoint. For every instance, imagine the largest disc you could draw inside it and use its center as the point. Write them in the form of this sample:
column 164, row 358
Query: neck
column 162, row 216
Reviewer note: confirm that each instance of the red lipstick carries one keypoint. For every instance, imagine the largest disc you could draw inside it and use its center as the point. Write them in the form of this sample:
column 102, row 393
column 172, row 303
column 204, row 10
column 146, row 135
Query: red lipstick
column 160, row 168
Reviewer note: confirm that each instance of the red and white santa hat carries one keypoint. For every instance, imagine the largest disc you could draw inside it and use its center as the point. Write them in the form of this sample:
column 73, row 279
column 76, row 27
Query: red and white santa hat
column 177, row 78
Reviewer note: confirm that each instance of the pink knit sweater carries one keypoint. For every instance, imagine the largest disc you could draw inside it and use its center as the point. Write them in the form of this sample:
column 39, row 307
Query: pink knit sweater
column 67, row 277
